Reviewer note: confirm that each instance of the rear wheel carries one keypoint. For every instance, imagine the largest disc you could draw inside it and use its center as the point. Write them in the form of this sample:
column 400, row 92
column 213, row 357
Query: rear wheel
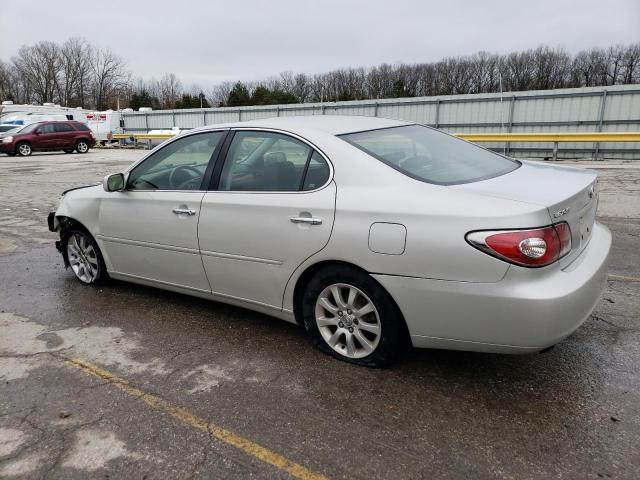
column 84, row 256
column 23, row 149
column 350, row 316
column 82, row 146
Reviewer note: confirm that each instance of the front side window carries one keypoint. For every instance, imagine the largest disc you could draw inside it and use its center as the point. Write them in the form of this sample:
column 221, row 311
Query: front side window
column 47, row 128
column 180, row 165
column 431, row 156
column 270, row 162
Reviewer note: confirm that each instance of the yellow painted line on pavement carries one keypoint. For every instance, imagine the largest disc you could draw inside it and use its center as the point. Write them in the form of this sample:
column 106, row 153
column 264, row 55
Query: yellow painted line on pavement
column 185, row 416
column 624, row 278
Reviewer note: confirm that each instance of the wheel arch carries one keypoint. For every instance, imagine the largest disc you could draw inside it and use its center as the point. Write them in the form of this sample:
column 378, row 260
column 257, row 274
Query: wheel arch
column 20, row 142
column 309, row 272
column 66, row 223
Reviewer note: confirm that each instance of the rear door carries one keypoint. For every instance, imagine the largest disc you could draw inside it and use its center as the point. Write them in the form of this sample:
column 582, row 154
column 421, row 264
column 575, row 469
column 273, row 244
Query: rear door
column 272, row 207
column 65, row 135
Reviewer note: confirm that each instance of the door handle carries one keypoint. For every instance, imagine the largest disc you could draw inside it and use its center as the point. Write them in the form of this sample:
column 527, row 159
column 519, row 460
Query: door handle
column 184, row 211
column 309, row 220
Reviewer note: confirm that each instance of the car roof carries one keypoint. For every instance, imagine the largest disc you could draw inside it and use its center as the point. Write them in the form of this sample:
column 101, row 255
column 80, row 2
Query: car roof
column 332, row 124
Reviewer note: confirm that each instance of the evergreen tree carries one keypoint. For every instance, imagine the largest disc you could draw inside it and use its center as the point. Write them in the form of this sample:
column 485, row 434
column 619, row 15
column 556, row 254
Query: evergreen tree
column 239, row 96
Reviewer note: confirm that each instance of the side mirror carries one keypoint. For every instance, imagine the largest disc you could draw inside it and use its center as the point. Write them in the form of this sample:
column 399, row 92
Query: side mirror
column 113, row 183
column 37, row 132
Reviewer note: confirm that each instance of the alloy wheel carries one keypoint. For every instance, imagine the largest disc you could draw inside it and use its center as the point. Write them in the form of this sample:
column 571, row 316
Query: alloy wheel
column 348, row 320
column 24, row 150
column 82, row 147
column 82, row 258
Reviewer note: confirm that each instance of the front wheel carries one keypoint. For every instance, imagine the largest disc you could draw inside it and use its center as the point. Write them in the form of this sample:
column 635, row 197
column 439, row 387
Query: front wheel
column 82, row 146
column 84, row 256
column 350, row 316
column 23, row 149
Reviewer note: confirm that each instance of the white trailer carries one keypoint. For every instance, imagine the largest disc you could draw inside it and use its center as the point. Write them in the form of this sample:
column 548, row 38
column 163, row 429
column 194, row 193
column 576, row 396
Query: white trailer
column 104, row 124
column 26, row 114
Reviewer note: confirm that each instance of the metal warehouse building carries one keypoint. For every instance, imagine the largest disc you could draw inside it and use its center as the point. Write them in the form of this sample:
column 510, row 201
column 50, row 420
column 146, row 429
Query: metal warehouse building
column 591, row 109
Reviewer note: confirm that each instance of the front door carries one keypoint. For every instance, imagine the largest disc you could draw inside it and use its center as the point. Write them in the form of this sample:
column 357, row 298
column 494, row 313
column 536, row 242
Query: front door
column 46, row 137
column 149, row 230
column 273, row 208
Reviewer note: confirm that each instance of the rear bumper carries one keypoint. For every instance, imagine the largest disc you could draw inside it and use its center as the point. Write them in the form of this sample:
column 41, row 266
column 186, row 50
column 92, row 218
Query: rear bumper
column 528, row 310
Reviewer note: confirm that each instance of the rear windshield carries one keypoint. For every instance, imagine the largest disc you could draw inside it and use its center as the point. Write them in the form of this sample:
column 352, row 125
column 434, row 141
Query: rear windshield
column 431, row 156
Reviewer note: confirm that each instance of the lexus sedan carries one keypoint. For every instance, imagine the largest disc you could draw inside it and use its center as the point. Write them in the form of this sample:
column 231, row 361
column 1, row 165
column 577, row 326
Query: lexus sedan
column 372, row 234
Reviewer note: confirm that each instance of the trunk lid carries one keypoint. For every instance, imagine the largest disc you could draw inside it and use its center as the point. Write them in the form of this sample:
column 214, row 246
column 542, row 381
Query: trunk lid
column 569, row 194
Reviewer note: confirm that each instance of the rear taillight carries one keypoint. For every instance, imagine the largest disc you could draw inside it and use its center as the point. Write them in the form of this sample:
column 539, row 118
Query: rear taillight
column 530, row 248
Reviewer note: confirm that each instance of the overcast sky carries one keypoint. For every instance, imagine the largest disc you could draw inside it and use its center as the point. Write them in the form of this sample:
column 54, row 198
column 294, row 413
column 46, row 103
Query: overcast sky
column 209, row 41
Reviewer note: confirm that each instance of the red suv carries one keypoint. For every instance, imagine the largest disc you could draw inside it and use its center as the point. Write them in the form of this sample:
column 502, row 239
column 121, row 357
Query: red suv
column 43, row 136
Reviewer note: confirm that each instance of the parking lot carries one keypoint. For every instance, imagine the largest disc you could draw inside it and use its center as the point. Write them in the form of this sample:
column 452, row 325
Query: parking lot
column 125, row 381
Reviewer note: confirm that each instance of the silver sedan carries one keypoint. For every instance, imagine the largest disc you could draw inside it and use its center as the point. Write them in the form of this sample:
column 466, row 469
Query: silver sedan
column 372, row 234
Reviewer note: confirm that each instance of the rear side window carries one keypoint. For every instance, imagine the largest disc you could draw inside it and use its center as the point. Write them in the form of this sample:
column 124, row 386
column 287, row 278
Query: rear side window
column 63, row 127
column 81, row 126
column 271, row 162
column 431, row 156
column 317, row 172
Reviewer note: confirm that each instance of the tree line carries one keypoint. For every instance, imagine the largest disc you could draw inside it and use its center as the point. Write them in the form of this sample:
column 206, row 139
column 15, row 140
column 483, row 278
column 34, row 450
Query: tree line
column 76, row 73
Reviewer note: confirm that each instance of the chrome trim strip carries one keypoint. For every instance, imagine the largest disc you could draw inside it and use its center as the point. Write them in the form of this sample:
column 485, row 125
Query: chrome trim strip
column 246, row 300
column 158, row 246
column 232, row 256
column 160, row 282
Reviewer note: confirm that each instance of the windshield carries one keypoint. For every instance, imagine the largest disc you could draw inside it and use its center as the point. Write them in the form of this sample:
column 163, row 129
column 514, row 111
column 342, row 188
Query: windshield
column 431, row 156
column 28, row 128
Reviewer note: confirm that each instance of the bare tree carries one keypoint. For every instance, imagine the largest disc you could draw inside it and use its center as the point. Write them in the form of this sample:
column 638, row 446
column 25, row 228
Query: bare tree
column 218, row 94
column 109, row 77
column 75, row 71
column 38, row 65
column 631, row 64
column 170, row 90
column 77, row 74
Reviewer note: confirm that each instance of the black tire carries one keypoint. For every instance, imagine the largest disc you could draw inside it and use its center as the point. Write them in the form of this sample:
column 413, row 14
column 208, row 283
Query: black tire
column 70, row 234
column 68, row 150
column 23, row 149
column 82, row 146
column 391, row 321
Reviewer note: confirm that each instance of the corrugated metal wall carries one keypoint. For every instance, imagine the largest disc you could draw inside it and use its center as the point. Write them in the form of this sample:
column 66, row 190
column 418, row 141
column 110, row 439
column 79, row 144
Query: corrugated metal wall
column 592, row 109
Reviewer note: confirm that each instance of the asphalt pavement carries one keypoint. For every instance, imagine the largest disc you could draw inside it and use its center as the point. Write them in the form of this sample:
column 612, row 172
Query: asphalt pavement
column 125, row 381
